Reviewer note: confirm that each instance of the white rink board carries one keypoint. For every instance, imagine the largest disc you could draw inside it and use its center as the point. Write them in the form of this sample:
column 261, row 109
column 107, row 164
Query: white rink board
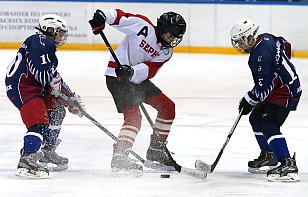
column 208, row 24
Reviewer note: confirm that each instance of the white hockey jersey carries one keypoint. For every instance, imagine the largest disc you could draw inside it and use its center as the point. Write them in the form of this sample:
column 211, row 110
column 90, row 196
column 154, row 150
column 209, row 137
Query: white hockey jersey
column 140, row 49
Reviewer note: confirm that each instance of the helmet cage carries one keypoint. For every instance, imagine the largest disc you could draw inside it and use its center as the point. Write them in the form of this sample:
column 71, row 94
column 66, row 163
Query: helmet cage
column 175, row 42
column 244, row 36
column 173, row 23
column 244, row 44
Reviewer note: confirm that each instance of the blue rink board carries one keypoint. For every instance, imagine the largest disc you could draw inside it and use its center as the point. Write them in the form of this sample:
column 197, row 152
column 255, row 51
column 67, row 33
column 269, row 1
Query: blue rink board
column 260, row 2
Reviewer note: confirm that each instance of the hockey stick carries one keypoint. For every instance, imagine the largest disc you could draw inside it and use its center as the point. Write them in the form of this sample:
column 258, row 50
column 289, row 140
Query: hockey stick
column 200, row 165
column 72, row 103
column 179, row 168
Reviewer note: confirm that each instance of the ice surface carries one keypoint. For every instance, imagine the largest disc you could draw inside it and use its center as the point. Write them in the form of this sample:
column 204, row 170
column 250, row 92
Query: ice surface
column 205, row 89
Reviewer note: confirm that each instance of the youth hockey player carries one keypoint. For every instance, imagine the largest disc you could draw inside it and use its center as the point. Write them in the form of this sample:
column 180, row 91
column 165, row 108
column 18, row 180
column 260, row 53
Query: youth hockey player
column 276, row 92
column 32, row 85
column 142, row 53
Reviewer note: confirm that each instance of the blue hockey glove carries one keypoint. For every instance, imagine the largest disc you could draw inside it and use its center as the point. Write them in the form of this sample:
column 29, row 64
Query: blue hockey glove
column 124, row 72
column 98, row 22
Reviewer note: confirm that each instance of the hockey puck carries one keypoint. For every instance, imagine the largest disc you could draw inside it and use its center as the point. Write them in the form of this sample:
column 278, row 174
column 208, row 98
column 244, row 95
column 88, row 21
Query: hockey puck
column 165, row 176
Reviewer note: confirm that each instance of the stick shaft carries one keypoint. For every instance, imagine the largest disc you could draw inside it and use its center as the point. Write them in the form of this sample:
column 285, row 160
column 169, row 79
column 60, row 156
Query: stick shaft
column 213, row 166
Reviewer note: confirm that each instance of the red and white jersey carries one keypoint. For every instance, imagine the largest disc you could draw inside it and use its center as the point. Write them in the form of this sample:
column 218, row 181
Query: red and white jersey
column 140, row 49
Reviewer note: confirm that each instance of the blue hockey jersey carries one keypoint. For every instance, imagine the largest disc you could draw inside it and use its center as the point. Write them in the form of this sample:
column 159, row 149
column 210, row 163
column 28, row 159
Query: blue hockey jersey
column 32, row 69
column 274, row 75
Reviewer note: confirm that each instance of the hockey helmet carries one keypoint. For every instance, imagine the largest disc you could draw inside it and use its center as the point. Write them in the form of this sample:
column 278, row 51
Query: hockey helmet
column 54, row 26
column 174, row 24
column 244, row 35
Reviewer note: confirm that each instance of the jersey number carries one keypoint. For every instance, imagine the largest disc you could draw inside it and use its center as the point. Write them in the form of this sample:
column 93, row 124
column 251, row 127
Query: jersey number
column 13, row 66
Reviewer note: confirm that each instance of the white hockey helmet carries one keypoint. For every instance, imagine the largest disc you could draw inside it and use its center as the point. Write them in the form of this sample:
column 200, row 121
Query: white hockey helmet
column 54, row 26
column 244, row 35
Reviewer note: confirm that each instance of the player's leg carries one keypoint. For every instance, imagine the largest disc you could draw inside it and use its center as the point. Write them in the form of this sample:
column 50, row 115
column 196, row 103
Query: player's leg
column 274, row 116
column 34, row 116
column 165, row 108
column 56, row 114
column 127, row 101
column 266, row 159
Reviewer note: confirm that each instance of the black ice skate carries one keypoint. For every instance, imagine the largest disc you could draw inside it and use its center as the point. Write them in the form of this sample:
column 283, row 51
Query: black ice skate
column 156, row 153
column 121, row 164
column 286, row 172
column 263, row 163
column 29, row 168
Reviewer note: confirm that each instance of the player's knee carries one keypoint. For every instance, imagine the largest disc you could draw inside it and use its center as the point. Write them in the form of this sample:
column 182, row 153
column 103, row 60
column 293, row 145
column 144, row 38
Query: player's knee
column 167, row 108
column 270, row 129
column 41, row 129
column 254, row 120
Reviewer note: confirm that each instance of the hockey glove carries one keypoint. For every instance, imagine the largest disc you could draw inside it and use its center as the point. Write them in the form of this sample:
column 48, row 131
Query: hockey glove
column 247, row 104
column 124, row 72
column 98, row 22
column 55, row 85
column 79, row 108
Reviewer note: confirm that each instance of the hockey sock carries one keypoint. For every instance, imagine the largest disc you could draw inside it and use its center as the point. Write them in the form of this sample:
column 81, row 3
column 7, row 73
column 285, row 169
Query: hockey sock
column 56, row 116
column 262, row 142
column 276, row 140
column 33, row 139
column 51, row 136
column 256, row 123
column 165, row 116
column 130, row 128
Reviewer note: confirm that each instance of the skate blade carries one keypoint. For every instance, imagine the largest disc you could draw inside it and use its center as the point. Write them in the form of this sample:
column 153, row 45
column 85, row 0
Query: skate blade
column 262, row 170
column 291, row 177
column 158, row 166
column 117, row 173
column 26, row 173
column 54, row 167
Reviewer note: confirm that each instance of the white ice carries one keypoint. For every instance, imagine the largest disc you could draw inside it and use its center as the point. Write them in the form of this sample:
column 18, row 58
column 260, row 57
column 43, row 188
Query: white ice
column 206, row 90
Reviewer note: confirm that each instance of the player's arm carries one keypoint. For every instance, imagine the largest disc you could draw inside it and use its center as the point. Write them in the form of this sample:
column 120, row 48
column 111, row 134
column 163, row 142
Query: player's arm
column 127, row 23
column 264, row 84
column 41, row 62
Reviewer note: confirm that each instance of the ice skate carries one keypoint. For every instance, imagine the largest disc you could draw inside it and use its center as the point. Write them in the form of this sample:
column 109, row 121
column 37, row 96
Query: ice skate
column 286, row 172
column 263, row 163
column 29, row 168
column 156, row 154
column 122, row 165
column 52, row 160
